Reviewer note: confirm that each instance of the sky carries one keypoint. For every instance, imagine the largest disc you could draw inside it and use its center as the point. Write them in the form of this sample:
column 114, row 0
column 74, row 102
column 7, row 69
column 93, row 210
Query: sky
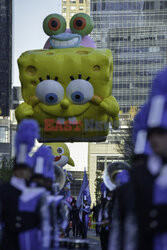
column 28, row 34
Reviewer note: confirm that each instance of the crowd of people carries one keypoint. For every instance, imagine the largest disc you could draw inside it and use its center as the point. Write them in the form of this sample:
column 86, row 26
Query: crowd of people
column 78, row 219
column 35, row 206
column 132, row 210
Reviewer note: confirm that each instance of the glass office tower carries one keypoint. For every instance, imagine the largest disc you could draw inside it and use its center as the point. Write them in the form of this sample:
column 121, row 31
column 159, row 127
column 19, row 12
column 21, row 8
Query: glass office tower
column 5, row 55
column 136, row 33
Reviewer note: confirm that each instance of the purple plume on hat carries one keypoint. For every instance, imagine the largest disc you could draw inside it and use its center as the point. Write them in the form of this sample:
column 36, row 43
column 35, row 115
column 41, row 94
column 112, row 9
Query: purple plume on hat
column 159, row 85
column 26, row 134
column 152, row 115
column 157, row 116
column 43, row 162
column 142, row 145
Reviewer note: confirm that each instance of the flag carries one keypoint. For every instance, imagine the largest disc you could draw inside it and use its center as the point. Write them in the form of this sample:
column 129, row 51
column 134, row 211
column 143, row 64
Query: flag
column 84, row 191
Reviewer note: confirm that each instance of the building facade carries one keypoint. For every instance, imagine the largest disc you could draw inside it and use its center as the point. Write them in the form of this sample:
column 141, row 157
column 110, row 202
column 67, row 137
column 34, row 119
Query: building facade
column 71, row 7
column 8, row 125
column 100, row 155
column 5, row 55
column 136, row 33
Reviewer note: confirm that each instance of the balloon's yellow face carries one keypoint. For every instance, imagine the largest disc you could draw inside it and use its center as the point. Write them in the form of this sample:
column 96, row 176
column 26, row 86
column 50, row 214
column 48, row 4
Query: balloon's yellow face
column 64, row 89
column 61, row 153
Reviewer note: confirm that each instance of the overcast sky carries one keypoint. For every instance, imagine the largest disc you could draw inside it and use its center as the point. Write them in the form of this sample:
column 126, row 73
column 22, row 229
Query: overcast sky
column 28, row 34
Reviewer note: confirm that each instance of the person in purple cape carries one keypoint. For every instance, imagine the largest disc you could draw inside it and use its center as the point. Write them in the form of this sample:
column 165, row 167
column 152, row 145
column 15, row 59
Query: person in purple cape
column 13, row 221
column 84, row 216
column 159, row 84
column 150, row 181
column 105, row 215
column 142, row 203
column 53, row 209
column 34, row 201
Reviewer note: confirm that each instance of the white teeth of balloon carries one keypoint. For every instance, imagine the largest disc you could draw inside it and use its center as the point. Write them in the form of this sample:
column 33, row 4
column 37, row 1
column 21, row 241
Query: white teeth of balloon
column 72, row 120
column 58, row 43
column 65, row 43
column 75, row 39
column 69, row 43
column 61, row 120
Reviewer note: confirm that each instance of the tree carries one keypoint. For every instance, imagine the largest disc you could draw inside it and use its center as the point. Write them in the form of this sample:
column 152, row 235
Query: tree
column 126, row 146
column 98, row 182
column 6, row 169
column 133, row 111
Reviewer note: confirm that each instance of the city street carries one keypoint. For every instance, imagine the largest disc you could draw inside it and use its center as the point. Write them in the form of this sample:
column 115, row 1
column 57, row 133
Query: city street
column 92, row 242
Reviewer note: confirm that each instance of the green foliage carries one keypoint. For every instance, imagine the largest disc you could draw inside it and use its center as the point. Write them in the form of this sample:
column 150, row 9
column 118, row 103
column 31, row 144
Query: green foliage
column 98, row 182
column 6, row 169
column 126, row 147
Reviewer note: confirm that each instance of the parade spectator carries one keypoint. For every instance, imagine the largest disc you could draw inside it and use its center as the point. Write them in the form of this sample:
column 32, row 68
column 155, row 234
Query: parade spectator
column 95, row 211
column 74, row 218
column 84, row 218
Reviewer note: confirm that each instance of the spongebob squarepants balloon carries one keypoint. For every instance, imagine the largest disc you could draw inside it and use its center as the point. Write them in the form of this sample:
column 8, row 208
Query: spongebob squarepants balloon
column 61, row 154
column 68, row 88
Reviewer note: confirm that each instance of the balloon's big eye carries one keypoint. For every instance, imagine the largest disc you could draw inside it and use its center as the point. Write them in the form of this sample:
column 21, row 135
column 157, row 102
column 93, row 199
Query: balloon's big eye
column 51, row 98
column 77, row 96
column 60, row 150
column 80, row 91
column 81, row 23
column 54, row 24
column 49, row 92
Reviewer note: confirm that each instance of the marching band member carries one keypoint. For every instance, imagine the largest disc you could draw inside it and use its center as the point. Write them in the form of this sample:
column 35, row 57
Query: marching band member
column 14, row 222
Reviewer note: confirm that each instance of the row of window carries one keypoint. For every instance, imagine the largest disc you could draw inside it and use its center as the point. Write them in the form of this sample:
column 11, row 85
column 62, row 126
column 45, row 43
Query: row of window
column 108, row 160
column 107, row 17
column 140, row 50
column 154, row 5
column 137, row 73
column 135, row 38
column 119, row 6
column 130, row 21
column 140, row 85
column 127, row 85
column 119, row 18
column 4, row 134
column 136, row 62
column 74, row 1
column 73, row 8
column 71, row 14
column 128, row 6
column 132, row 97
column 121, row 86
column 126, row 20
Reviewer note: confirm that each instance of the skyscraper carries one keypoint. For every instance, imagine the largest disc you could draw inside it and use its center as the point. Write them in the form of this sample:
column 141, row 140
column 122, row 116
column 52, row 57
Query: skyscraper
column 5, row 55
column 136, row 33
column 71, row 7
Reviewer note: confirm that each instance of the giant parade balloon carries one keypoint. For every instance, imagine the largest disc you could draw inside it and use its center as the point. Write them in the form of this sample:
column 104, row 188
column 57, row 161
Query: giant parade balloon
column 67, row 88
